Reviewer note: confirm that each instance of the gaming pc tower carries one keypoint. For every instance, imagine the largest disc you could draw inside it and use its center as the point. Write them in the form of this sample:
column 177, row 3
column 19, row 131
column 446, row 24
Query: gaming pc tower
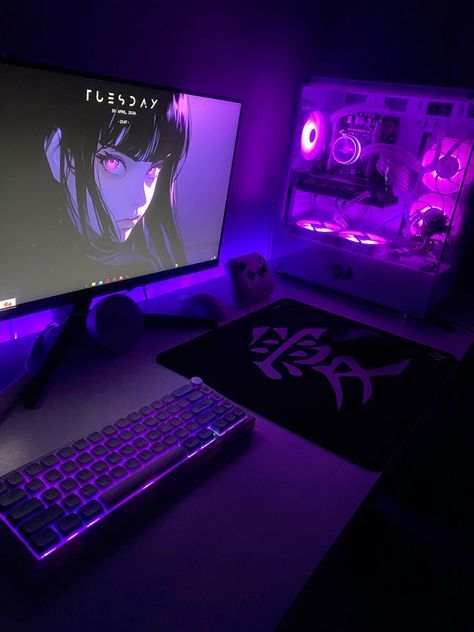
column 378, row 191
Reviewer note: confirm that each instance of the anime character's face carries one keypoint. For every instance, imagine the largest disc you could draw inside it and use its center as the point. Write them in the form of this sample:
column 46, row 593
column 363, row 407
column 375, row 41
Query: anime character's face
column 126, row 186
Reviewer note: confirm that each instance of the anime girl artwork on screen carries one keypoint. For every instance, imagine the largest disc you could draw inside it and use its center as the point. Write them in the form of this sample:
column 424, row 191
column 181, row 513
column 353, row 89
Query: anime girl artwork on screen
column 117, row 179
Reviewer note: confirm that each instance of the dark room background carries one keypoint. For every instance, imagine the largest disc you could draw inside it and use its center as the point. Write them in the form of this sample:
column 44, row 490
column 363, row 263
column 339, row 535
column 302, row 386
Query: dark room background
column 257, row 51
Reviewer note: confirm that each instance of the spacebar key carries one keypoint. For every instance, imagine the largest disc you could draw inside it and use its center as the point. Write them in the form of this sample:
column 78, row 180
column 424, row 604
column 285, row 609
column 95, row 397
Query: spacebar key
column 127, row 486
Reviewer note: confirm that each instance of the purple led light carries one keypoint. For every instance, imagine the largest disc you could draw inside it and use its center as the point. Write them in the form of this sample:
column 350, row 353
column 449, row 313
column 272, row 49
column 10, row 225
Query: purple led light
column 449, row 168
column 361, row 237
column 433, row 201
column 318, row 226
column 312, row 136
column 428, row 208
column 346, row 149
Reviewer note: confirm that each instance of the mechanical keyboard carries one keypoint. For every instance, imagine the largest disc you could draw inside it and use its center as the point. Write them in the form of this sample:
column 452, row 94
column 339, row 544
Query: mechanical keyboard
column 48, row 502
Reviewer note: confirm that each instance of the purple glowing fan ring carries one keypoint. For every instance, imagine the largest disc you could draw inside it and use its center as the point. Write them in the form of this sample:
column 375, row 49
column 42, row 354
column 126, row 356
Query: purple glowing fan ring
column 312, row 136
column 346, row 149
column 361, row 237
column 450, row 166
column 318, row 226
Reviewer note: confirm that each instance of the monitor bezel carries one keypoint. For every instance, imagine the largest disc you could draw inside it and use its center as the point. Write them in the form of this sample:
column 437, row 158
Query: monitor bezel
column 68, row 298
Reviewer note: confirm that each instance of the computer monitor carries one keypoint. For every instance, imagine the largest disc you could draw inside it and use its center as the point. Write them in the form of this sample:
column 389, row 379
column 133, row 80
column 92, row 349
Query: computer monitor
column 106, row 184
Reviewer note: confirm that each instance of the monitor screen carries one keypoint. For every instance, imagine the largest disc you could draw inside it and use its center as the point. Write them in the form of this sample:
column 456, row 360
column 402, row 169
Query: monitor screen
column 104, row 181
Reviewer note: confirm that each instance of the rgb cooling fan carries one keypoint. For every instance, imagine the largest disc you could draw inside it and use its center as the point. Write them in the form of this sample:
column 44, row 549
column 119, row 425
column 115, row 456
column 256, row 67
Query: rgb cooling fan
column 430, row 215
column 448, row 160
column 312, row 136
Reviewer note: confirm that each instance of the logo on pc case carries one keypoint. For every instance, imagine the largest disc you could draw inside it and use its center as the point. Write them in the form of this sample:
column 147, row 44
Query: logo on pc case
column 301, row 352
column 7, row 303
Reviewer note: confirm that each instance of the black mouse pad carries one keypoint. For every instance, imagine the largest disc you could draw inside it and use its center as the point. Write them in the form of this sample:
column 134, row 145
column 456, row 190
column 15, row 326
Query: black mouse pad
column 347, row 387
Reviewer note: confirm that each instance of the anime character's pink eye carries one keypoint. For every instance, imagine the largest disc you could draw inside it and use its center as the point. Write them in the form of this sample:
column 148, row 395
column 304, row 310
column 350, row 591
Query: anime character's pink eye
column 111, row 164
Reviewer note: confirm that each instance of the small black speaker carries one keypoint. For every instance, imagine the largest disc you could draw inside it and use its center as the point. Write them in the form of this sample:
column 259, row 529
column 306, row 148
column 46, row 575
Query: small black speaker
column 115, row 323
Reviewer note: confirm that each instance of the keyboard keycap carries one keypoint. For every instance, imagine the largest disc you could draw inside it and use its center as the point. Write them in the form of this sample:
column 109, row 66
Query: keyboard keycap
column 68, row 524
column 132, row 464
column 88, row 490
column 15, row 479
column 109, row 431
column 119, row 492
column 10, row 498
column 194, row 396
column 100, row 466
column 147, row 410
column 34, row 485
column 153, row 435
column 113, row 458
column 95, row 437
column 53, row 475
column 91, row 510
column 133, row 417
column 50, row 495
column 72, row 501
column 49, row 460
column 84, row 475
column 126, row 435
column 103, row 481
column 69, row 467
column 42, row 520
column 33, row 469
column 99, row 450
column 113, row 443
column 139, row 428
column 84, row 458
column 184, row 390
column 200, row 406
column 157, row 405
column 122, row 423
column 191, row 444
column 152, row 421
column 205, row 419
column 181, row 433
column 168, row 399
column 82, row 444
column 66, row 453
column 118, row 471
column 140, row 443
column 43, row 541
column 170, row 440
column 145, row 455
column 18, row 513
column 205, row 435
column 127, row 450
column 68, row 484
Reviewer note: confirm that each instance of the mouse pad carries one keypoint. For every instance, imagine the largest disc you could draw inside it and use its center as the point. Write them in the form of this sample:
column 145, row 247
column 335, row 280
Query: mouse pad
column 347, row 387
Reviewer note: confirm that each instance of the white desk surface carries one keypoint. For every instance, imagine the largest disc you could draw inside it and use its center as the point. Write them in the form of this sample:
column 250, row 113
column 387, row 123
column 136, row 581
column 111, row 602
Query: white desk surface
column 232, row 553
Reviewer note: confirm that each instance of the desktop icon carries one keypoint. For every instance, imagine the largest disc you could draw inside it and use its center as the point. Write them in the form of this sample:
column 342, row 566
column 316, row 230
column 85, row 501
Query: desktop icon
column 8, row 302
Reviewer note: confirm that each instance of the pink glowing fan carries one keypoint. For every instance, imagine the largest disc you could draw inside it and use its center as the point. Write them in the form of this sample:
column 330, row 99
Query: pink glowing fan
column 449, row 161
column 361, row 237
column 318, row 225
column 312, row 136
column 430, row 214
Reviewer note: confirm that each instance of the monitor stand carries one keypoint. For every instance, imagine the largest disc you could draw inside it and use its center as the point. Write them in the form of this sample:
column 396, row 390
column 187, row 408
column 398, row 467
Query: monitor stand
column 76, row 324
